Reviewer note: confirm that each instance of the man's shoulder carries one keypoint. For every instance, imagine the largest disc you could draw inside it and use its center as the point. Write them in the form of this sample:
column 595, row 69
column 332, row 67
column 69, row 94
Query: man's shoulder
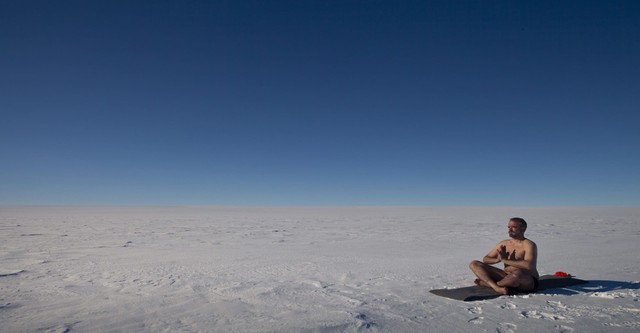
column 504, row 242
column 525, row 241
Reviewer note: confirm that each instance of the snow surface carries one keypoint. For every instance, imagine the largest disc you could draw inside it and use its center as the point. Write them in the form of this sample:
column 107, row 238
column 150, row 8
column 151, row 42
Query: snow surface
column 326, row 269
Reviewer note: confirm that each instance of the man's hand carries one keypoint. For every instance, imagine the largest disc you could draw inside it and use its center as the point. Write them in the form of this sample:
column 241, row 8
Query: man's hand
column 503, row 254
column 497, row 255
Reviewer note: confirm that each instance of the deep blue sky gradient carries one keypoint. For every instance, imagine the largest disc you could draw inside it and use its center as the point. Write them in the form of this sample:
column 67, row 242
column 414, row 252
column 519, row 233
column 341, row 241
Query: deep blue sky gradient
column 320, row 102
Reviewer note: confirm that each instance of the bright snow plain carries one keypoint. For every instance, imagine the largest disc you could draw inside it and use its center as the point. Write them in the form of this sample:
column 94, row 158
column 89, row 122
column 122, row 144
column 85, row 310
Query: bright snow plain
column 315, row 269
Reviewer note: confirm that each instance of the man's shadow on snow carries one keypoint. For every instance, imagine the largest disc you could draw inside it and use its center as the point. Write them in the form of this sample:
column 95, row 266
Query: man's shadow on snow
column 593, row 286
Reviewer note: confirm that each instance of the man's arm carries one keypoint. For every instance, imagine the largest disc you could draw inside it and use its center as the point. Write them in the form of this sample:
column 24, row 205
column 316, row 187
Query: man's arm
column 493, row 257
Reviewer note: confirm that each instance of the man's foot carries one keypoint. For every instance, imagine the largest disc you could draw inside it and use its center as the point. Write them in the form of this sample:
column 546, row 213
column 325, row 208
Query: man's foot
column 479, row 282
column 504, row 290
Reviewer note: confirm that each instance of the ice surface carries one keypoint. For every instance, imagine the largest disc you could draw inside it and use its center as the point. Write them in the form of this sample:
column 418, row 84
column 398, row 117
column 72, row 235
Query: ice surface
column 318, row 269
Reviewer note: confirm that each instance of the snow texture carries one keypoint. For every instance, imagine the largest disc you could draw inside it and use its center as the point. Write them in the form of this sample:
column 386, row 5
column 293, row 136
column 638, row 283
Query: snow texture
column 296, row 269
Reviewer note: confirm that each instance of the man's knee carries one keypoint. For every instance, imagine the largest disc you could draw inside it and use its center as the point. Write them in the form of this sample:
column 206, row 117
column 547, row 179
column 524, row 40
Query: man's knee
column 518, row 274
column 475, row 264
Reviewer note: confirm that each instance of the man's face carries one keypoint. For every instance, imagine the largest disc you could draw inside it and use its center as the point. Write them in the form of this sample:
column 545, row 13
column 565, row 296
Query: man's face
column 515, row 229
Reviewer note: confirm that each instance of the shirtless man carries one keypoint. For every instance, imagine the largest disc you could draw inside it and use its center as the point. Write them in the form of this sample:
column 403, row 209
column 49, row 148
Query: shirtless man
column 519, row 256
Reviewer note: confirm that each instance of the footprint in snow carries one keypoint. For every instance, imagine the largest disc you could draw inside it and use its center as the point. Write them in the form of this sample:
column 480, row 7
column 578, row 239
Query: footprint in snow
column 563, row 329
column 59, row 329
column 364, row 322
column 506, row 328
column 508, row 305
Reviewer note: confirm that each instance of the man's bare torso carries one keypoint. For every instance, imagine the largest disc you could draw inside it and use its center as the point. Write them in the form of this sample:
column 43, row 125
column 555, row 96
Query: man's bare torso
column 516, row 250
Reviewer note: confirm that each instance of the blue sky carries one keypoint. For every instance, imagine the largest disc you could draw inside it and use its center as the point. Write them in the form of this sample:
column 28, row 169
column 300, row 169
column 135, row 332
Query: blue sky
column 320, row 102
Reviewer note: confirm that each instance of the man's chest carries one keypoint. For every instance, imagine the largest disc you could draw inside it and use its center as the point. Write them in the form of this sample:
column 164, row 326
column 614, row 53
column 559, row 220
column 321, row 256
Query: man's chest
column 515, row 251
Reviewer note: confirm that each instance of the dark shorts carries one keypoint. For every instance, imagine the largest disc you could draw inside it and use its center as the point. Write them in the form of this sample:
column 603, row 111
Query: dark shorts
column 536, row 284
